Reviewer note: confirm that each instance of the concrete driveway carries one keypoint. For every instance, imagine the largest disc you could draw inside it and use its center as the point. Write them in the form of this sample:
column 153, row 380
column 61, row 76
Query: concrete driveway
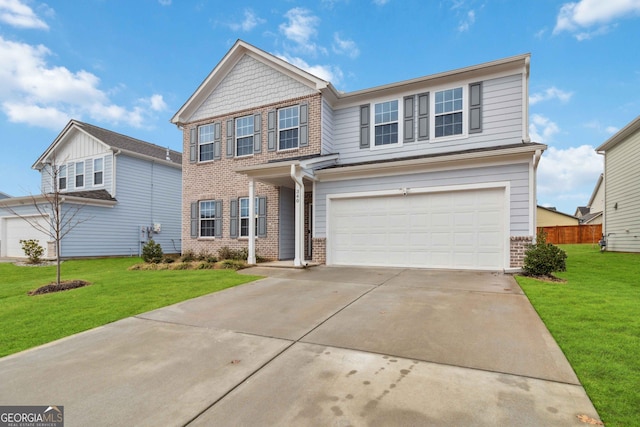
column 327, row 346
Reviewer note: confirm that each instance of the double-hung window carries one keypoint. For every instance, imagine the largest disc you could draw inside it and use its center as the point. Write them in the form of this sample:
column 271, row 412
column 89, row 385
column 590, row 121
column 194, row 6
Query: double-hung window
column 244, row 216
column 205, row 142
column 208, row 218
column 288, row 127
column 79, row 173
column 62, row 177
column 98, row 171
column 448, row 112
column 244, row 136
column 385, row 123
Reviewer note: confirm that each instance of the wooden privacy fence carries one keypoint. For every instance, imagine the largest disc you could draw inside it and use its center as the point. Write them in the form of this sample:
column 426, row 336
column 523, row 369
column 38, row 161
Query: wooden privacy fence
column 570, row 234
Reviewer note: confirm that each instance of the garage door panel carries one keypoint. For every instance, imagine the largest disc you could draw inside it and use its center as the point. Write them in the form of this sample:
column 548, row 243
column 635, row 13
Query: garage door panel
column 461, row 229
column 17, row 229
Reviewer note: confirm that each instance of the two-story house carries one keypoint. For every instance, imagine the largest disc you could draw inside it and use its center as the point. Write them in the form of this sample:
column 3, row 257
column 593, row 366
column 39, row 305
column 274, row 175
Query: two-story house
column 437, row 171
column 117, row 192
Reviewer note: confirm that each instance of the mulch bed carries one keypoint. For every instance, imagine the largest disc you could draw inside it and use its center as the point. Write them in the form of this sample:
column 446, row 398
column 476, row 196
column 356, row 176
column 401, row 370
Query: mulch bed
column 63, row 286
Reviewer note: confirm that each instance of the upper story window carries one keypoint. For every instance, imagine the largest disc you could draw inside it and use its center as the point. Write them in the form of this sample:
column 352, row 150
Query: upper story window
column 62, row 177
column 385, row 123
column 208, row 218
column 79, row 175
column 448, row 112
column 98, row 171
column 244, row 136
column 288, row 127
column 205, row 142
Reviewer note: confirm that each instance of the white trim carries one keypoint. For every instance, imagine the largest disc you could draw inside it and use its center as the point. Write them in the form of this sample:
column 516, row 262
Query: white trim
column 433, row 139
column 506, row 208
column 372, row 121
column 93, row 171
column 278, row 149
column 236, row 137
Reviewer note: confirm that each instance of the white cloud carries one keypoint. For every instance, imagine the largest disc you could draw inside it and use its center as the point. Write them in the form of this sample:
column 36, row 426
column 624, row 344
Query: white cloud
column 251, row 20
column 301, row 28
column 345, row 47
column 549, row 94
column 330, row 73
column 165, row 2
column 381, row 2
column 575, row 17
column 600, row 128
column 611, row 130
column 541, row 129
column 39, row 94
column 568, row 174
column 467, row 22
column 17, row 14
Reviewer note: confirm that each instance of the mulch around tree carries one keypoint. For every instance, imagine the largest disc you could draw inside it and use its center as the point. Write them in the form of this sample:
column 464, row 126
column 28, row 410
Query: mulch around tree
column 63, row 286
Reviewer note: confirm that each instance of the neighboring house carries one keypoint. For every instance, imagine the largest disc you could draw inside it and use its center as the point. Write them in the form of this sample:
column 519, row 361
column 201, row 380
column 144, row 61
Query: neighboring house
column 592, row 213
column 621, row 223
column 550, row 217
column 126, row 190
column 436, row 171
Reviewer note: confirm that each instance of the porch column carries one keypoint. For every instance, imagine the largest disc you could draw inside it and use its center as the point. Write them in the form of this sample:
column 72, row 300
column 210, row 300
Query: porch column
column 299, row 217
column 251, row 258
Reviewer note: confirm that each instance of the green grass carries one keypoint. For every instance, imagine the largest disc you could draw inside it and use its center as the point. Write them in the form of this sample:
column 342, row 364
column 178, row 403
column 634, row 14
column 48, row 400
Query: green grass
column 115, row 293
column 595, row 318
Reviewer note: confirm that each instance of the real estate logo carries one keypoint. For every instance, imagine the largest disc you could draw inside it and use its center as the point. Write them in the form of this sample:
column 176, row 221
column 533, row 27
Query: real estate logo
column 32, row 416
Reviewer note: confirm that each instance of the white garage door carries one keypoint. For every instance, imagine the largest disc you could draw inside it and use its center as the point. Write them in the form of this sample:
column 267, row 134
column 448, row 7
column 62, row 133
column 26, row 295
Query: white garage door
column 456, row 229
column 16, row 229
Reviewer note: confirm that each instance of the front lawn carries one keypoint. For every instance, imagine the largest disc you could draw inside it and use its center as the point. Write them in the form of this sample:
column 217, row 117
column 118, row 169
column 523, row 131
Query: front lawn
column 115, row 293
column 595, row 318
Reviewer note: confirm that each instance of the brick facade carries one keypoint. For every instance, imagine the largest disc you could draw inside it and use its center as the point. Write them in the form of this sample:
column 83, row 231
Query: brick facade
column 217, row 179
column 518, row 247
column 319, row 250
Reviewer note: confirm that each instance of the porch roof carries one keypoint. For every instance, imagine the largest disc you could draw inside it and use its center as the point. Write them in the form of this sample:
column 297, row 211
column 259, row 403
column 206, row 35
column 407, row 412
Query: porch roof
column 278, row 173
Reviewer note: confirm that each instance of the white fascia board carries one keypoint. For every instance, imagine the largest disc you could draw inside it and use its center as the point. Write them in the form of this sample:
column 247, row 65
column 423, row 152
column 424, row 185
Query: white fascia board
column 169, row 163
column 42, row 200
column 621, row 135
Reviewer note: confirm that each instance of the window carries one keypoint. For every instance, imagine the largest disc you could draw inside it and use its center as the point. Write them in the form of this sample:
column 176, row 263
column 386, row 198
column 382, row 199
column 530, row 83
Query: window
column 97, row 171
column 386, row 123
column 62, row 177
column 244, row 216
column 288, row 127
column 448, row 112
column 205, row 142
column 208, row 218
column 244, row 136
column 79, row 174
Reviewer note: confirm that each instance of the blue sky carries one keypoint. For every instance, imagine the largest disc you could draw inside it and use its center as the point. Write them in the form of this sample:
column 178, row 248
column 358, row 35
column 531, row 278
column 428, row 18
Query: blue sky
column 129, row 65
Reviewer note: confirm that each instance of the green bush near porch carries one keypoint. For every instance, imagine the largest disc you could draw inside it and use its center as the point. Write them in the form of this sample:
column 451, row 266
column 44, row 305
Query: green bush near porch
column 595, row 318
column 115, row 293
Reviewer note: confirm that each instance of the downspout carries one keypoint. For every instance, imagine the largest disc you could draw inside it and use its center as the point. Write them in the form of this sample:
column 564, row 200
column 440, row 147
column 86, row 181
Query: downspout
column 113, row 173
column 534, row 218
column 298, row 260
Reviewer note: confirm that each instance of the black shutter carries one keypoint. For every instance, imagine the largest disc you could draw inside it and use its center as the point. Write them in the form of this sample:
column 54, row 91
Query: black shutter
column 364, row 126
column 194, row 219
column 409, row 119
column 257, row 133
column 217, row 224
column 271, row 130
column 475, row 107
column 217, row 141
column 304, row 128
column 193, row 145
column 262, row 217
column 423, row 116
column 230, row 142
column 233, row 227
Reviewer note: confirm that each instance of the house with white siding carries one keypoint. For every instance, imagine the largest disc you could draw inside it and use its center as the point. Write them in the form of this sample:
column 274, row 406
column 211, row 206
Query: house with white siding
column 117, row 192
column 621, row 219
column 435, row 172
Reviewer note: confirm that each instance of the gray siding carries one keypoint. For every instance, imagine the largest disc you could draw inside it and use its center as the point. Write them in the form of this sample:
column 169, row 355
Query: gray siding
column 286, row 237
column 107, row 175
column 517, row 174
column 147, row 193
column 327, row 129
column 622, row 187
column 502, row 124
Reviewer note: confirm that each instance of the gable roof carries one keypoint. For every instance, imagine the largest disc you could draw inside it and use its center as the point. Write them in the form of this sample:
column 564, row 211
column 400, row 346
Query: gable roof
column 620, row 136
column 553, row 210
column 241, row 48
column 115, row 141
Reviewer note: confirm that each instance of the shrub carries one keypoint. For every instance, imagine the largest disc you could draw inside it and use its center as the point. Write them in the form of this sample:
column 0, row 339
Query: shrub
column 207, row 257
column 231, row 264
column 542, row 258
column 188, row 256
column 225, row 253
column 169, row 260
column 180, row 266
column 204, row 265
column 32, row 249
column 152, row 252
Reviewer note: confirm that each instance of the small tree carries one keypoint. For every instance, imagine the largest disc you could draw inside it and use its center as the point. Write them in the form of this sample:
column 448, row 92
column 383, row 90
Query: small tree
column 32, row 249
column 542, row 258
column 152, row 252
